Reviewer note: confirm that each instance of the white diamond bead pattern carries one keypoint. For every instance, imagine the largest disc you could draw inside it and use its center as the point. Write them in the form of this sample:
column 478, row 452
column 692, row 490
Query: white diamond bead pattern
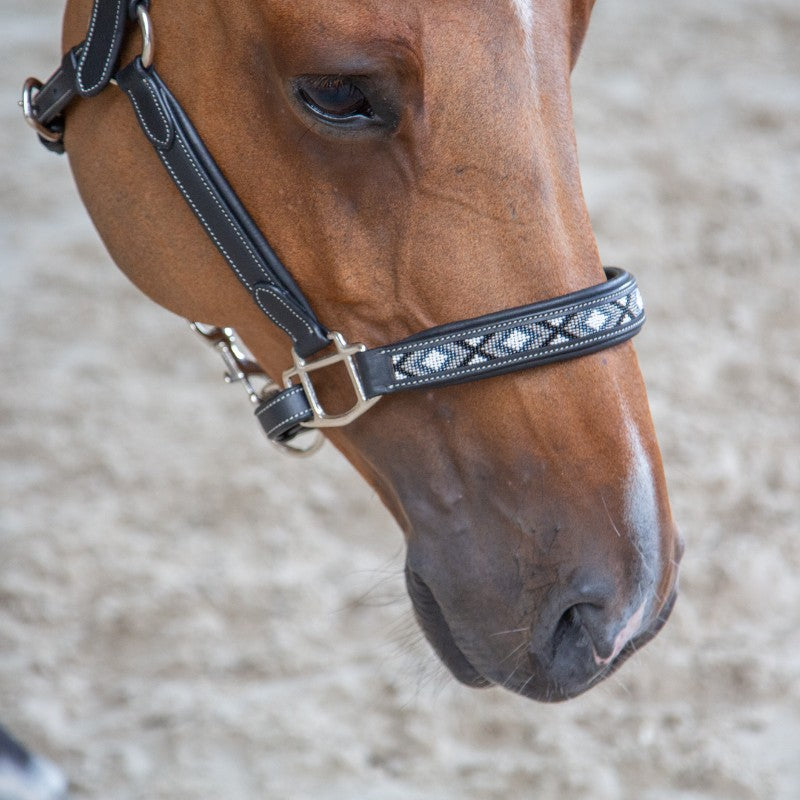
column 540, row 335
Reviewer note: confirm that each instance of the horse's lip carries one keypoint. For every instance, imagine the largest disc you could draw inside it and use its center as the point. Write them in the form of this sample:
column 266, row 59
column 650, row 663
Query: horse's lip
column 638, row 642
column 437, row 632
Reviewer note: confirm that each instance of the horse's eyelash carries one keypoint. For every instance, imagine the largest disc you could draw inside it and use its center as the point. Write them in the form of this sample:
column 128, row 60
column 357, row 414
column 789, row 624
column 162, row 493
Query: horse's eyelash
column 331, row 81
column 327, row 81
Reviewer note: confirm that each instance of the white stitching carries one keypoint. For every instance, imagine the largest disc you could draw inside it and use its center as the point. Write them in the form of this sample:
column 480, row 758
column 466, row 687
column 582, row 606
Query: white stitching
column 88, row 46
column 163, row 116
column 200, row 217
column 284, row 395
column 88, row 41
column 227, row 217
column 277, row 297
column 225, row 214
column 246, row 246
column 272, row 317
column 286, row 421
column 529, row 356
column 540, row 317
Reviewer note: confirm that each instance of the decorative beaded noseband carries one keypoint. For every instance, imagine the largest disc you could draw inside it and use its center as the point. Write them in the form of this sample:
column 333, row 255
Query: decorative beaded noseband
column 553, row 330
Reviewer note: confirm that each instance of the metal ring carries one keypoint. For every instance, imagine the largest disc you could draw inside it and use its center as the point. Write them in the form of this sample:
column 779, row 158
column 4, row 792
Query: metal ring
column 30, row 115
column 313, row 440
column 148, row 40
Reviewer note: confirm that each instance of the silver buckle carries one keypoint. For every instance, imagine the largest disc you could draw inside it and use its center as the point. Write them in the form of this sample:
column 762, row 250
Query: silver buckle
column 29, row 87
column 241, row 367
column 343, row 355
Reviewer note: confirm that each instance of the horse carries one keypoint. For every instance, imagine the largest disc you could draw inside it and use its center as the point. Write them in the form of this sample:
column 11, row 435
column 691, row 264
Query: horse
column 412, row 164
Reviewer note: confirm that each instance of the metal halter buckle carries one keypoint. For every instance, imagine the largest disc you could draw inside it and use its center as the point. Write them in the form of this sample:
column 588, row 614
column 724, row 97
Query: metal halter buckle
column 241, row 367
column 28, row 111
column 53, row 133
column 344, row 355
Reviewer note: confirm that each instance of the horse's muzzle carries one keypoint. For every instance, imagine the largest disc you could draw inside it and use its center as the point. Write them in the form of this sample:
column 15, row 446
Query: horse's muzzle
column 560, row 661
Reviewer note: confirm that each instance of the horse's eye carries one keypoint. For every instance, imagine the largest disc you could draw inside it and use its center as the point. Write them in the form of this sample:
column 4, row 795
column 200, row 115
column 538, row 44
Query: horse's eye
column 335, row 99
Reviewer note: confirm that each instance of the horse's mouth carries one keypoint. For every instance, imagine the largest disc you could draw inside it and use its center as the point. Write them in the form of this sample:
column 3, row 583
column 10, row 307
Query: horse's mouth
column 540, row 687
column 437, row 632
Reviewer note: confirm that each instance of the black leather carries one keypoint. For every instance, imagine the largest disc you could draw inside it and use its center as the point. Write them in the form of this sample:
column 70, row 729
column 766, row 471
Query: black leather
column 281, row 414
column 376, row 366
column 59, row 90
column 218, row 209
column 98, row 59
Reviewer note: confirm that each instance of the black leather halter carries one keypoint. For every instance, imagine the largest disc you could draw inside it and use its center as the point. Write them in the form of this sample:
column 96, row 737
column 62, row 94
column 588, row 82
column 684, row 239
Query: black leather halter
column 554, row 330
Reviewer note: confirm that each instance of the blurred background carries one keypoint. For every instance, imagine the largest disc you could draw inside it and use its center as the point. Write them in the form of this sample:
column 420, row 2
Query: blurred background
column 179, row 620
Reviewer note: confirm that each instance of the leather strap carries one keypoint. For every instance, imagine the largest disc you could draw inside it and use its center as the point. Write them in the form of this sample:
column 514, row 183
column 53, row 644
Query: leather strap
column 554, row 330
column 59, row 90
column 100, row 51
column 218, row 209
column 86, row 69
column 282, row 415
column 559, row 329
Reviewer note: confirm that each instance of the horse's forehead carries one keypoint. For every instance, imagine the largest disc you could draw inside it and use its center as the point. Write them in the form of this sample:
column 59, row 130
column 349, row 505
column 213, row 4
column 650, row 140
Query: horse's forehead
column 379, row 13
column 435, row 31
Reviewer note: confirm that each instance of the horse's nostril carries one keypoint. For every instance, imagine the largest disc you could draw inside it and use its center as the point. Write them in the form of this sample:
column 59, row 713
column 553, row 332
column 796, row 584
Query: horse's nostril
column 606, row 633
column 596, row 628
column 583, row 638
column 569, row 632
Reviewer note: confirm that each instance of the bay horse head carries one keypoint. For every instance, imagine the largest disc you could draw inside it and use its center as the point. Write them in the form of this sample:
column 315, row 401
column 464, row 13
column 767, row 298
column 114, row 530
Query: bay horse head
column 414, row 163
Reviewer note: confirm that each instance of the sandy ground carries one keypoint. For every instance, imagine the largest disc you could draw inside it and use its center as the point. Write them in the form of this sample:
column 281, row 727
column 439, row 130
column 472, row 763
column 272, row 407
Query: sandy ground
column 178, row 621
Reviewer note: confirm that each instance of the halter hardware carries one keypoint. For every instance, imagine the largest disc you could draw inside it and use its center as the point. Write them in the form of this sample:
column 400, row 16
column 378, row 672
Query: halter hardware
column 344, row 355
column 242, row 368
column 552, row 330
column 148, row 38
column 53, row 135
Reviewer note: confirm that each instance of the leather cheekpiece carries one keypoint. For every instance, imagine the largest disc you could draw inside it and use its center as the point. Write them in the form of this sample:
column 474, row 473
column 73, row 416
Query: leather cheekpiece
column 218, row 209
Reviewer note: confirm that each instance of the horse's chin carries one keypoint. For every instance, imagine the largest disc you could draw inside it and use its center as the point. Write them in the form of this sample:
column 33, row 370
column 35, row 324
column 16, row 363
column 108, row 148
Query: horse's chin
column 550, row 684
column 437, row 631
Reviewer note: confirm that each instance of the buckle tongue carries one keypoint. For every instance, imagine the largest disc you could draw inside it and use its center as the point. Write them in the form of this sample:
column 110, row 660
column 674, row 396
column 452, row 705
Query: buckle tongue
column 343, row 355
